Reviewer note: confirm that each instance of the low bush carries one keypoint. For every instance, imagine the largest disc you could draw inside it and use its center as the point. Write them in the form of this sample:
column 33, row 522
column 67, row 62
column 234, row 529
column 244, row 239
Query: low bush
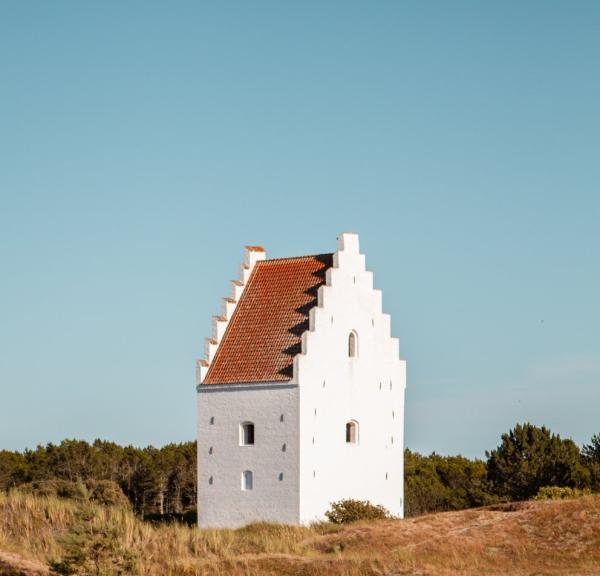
column 559, row 493
column 93, row 548
column 107, row 493
column 346, row 511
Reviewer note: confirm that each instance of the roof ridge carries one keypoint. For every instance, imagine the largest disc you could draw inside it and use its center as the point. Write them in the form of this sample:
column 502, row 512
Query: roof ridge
column 295, row 257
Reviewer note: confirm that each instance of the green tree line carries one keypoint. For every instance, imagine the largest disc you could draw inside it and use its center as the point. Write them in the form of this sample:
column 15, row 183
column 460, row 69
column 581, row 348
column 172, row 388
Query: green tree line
column 156, row 481
column 528, row 458
column 161, row 482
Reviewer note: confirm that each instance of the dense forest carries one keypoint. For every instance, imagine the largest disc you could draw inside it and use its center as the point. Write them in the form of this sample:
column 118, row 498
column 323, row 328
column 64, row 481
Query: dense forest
column 156, row 481
column 160, row 483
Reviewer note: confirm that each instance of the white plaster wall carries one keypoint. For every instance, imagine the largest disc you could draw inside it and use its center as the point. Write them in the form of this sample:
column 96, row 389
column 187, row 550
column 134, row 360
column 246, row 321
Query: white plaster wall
column 223, row 503
column 335, row 389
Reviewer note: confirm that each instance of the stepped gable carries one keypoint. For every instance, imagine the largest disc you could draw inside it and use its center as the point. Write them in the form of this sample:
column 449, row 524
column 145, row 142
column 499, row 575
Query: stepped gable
column 264, row 332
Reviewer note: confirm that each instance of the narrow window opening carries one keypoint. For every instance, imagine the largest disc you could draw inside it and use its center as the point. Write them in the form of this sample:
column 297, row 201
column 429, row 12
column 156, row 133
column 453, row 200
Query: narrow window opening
column 246, row 434
column 247, row 480
column 353, row 345
column 210, row 450
column 281, row 418
column 352, row 432
column 281, row 476
column 210, row 480
column 212, row 419
column 284, row 447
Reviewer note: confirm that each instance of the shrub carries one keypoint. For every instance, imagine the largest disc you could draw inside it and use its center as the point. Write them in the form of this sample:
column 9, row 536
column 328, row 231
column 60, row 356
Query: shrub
column 93, row 547
column 105, row 492
column 559, row 493
column 346, row 511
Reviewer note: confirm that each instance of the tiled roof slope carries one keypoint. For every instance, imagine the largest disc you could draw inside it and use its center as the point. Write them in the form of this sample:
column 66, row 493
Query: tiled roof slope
column 264, row 333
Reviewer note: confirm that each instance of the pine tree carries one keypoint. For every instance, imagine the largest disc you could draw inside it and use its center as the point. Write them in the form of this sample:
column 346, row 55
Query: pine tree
column 531, row 457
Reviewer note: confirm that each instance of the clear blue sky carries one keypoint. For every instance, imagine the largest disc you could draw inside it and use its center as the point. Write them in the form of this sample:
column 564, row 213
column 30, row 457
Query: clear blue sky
column 142, row 144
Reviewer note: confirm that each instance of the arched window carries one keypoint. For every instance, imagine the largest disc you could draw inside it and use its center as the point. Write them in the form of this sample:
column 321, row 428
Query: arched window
column 352, row 432
column 247, row 480
column 353, row 345
column 246, row 433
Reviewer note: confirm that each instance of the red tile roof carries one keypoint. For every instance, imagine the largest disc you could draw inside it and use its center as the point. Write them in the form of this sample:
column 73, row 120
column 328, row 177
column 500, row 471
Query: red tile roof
column 264, row 333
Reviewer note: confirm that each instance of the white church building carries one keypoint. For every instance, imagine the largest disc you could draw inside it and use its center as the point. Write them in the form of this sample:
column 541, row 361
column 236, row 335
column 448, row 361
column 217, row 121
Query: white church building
column 300, row 394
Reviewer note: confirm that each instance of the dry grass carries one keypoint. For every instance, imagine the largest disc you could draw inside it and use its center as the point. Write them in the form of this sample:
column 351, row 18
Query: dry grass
column 554, row 537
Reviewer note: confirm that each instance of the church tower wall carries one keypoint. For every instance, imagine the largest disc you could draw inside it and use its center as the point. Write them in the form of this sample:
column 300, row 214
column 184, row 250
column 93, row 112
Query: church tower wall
column 338, row 386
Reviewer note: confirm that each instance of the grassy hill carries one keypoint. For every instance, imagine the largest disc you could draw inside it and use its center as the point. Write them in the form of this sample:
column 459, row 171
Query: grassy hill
column 552, row 537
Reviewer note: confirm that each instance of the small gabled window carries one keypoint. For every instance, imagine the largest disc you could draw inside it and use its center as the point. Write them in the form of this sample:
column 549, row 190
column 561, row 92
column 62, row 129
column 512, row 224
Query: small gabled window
column 352, row 432
column 246, row 433
column 353, row 344
column 247, row 480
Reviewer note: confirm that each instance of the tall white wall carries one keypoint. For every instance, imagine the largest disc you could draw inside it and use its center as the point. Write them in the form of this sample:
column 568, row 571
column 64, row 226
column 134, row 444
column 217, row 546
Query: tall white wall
column 273, row 459
column 335, row 388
